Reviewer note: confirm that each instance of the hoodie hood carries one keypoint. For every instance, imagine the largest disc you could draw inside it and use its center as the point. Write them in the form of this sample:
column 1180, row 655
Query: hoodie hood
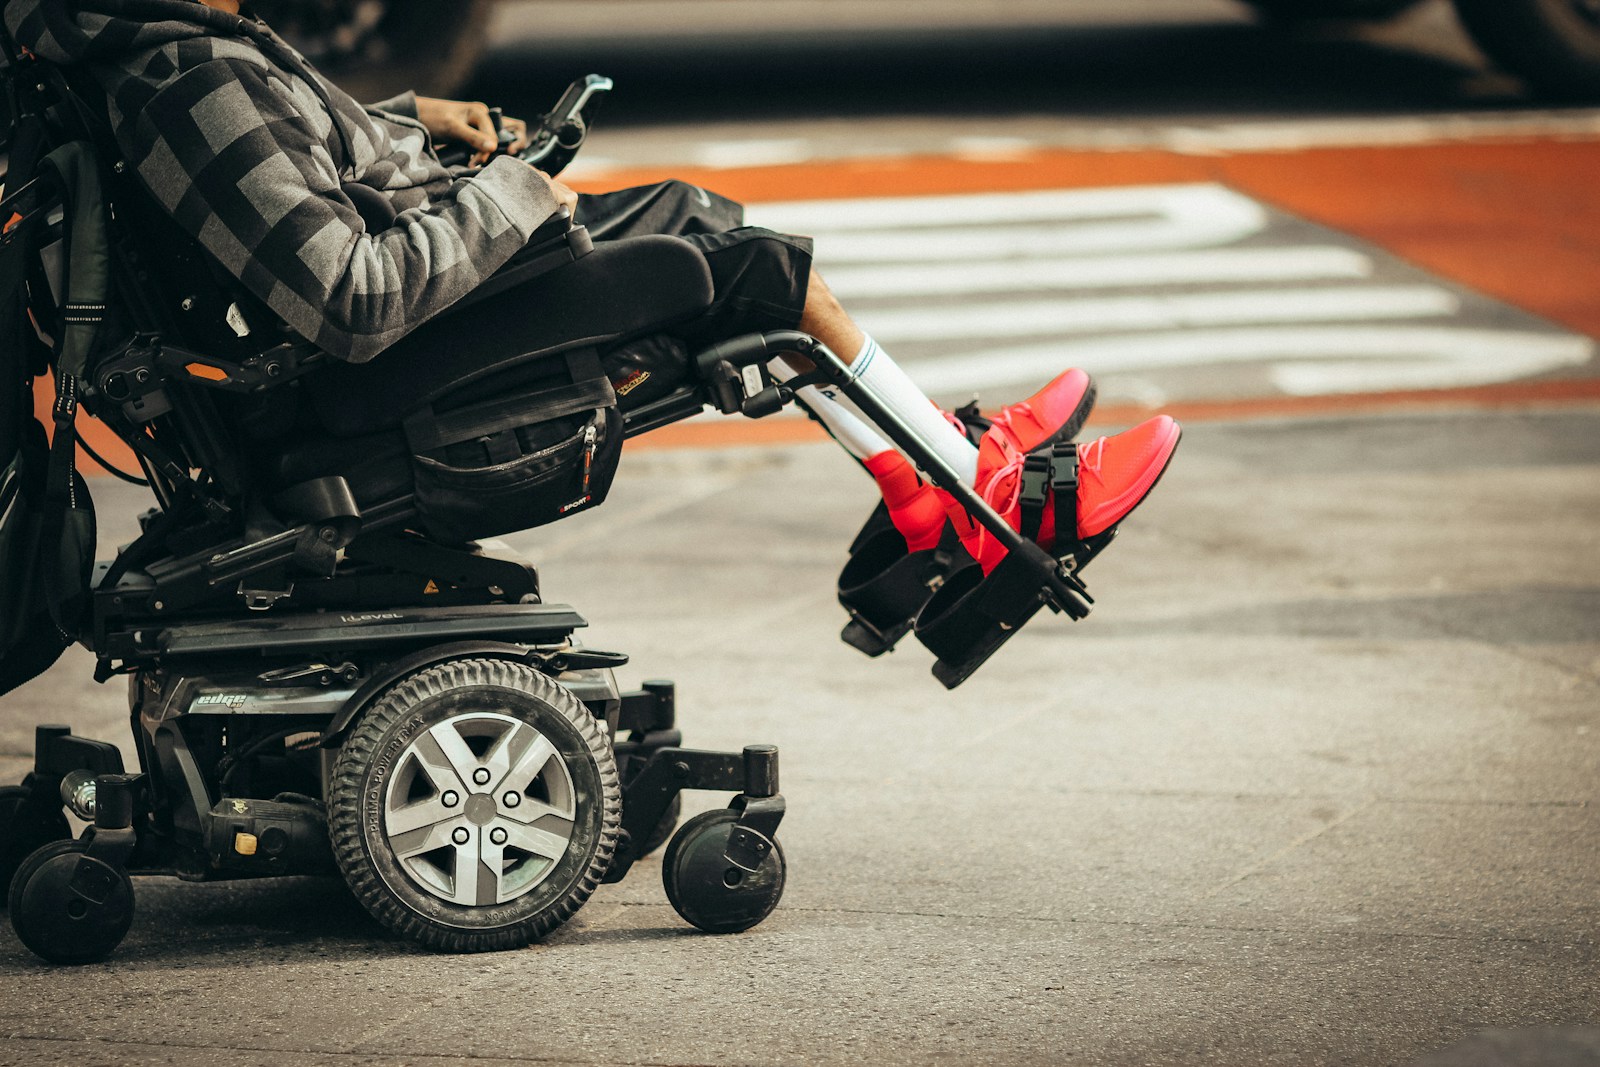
column 113, row 34
column 98, row 31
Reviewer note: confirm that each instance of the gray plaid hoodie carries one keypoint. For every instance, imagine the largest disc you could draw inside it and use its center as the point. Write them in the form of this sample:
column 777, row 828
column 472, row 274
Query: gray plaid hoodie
column 248, row 148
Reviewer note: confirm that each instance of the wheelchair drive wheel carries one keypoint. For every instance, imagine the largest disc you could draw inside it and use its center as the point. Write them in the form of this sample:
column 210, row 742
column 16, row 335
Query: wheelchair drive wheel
column 709, row 891
column 25, row 827
column 69, row 907
column 475, row 806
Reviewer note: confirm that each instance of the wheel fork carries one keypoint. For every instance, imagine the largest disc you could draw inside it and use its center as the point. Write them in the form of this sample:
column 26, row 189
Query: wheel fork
column 669, row 770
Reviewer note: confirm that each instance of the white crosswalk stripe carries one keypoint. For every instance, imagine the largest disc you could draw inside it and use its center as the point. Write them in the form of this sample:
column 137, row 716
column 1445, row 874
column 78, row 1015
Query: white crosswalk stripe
column 1162, row 291
column 964, row 276
column 1159, row 311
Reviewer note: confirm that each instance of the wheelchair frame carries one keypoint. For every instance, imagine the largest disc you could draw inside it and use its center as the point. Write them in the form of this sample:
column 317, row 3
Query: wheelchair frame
column 290, row 619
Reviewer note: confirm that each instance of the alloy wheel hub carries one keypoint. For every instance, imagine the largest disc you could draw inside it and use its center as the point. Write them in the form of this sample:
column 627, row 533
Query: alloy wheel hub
column 480, row 809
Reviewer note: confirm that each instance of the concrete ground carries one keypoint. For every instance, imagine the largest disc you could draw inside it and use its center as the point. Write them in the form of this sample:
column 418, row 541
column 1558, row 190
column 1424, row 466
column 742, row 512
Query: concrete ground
column 1314, row 784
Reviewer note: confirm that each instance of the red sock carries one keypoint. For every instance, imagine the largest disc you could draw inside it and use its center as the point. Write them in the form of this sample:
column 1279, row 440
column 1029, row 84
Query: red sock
column 913, row 508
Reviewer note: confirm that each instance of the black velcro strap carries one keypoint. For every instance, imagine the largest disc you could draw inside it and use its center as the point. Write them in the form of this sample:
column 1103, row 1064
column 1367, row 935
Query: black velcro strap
column 1064, row 485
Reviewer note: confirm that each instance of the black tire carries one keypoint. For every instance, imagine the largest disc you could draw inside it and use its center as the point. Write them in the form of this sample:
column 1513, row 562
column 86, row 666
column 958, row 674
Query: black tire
column 709, row 892
column 65, row 914
column 1297, row 10
column 412, row 45
column 1553, row 45
column 25, row 828
column 391, row 750
column 664, row 828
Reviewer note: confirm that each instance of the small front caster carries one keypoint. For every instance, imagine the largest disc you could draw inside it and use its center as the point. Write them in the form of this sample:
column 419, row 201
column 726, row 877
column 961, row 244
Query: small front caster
column 707, row 889
column 68, row 906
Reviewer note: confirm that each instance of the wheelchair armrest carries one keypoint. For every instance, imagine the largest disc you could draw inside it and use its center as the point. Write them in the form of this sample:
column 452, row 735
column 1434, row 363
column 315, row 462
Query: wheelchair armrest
column 553, row 245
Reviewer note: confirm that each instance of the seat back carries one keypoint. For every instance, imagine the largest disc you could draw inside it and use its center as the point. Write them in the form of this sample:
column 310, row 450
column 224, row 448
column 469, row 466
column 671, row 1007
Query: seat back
column 493, row 417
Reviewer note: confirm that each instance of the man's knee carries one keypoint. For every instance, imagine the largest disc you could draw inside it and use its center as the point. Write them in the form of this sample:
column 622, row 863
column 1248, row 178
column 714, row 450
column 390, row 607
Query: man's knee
column 819, row 298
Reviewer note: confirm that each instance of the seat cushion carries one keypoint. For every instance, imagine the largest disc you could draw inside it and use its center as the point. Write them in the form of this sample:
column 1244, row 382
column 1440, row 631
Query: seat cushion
column 621, row 290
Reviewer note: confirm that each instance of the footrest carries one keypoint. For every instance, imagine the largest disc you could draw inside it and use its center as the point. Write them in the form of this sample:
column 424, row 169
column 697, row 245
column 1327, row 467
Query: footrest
column 884, row 586
column 972, row 615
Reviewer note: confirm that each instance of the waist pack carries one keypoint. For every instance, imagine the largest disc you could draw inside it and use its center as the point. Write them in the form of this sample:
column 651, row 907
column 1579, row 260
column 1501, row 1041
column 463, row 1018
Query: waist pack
column 484, row 454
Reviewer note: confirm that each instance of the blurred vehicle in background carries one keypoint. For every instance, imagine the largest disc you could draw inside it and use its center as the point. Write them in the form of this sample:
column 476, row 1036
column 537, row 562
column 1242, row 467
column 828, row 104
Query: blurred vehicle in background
column 378, row 47
column 1552, row 45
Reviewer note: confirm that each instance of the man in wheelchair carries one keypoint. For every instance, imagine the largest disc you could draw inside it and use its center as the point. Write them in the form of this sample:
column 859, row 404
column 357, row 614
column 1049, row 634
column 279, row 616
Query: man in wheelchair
column 272, row 168
column 342, row 362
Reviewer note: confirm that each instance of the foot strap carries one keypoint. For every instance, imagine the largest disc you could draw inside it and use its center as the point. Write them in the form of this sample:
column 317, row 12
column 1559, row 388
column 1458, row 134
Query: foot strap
column 1051, row 473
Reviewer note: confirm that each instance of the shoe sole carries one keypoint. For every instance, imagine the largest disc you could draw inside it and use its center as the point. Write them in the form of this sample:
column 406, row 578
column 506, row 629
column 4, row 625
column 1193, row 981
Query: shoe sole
column 1073, row 426
column 1080, row 415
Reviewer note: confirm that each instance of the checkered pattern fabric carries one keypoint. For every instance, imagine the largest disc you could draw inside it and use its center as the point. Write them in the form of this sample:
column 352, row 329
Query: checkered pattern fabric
column 249, row 148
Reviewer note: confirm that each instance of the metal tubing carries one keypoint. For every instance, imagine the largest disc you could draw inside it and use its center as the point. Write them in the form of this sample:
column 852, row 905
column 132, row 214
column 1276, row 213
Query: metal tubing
column 921, row 453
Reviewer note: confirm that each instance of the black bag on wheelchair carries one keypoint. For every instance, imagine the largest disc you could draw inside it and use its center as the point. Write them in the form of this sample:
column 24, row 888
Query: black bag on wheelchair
column 47, row 527
column 489, row 436
column 514, row 451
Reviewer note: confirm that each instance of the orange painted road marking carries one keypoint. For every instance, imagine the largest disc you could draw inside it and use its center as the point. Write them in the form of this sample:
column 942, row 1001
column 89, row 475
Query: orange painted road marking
column 1110, row 417
column 1516, row 220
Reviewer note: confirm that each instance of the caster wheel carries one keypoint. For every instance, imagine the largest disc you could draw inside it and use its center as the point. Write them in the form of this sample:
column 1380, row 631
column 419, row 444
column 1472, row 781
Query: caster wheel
column 24, row 829
column 664, row 828
column 475, row 806
column 707, row 890
column 67, row 907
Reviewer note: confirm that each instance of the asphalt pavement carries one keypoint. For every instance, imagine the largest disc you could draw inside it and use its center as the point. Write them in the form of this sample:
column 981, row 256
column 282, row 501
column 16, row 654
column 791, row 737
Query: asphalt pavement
column 1315, row 783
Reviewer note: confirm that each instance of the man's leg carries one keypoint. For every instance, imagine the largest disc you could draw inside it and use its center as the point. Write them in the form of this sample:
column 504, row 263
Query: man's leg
column 1107, row 491
column 825, row 319
column 764, row 281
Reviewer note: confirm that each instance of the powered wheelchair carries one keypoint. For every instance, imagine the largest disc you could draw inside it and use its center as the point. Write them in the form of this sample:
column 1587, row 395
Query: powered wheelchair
column 330, row 669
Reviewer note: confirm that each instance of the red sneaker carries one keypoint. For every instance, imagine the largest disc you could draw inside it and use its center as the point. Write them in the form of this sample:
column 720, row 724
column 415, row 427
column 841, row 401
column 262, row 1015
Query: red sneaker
column 1055, row 413
column 1115, row 474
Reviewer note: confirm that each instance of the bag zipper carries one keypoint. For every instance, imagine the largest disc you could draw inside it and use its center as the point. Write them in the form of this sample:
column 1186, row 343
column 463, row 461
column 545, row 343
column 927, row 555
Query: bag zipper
column 588, row 454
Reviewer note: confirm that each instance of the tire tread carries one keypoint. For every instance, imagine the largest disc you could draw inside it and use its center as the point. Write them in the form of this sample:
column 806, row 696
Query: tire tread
column 358, row 751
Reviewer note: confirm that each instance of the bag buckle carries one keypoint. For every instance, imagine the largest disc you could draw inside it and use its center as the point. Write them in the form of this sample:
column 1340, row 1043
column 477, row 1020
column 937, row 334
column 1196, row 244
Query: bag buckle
column 1036, row 475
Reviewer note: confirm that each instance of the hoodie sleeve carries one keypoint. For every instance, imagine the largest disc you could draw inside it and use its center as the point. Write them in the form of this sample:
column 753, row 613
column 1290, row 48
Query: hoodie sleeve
column 404, row 105
column 244, row 166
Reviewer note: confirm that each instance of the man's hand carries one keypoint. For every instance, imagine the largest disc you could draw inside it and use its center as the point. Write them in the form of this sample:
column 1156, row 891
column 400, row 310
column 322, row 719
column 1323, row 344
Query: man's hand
column 469, row 123
column 454, row 120
column 564, row 196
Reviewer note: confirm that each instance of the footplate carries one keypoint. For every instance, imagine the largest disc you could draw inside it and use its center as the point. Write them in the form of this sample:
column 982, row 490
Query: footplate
column 972, row 615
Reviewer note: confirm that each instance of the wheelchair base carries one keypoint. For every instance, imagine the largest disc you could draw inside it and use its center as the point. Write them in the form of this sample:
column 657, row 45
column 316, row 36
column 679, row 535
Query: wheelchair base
column 241, row 723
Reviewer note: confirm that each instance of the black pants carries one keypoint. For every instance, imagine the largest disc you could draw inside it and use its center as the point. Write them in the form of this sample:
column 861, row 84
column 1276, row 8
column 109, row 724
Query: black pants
column 758, row 280
column 758, row 277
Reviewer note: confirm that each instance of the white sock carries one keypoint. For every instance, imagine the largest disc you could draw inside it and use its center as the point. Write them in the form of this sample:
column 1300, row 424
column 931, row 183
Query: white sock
column 842, row 418
column 880, row 375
